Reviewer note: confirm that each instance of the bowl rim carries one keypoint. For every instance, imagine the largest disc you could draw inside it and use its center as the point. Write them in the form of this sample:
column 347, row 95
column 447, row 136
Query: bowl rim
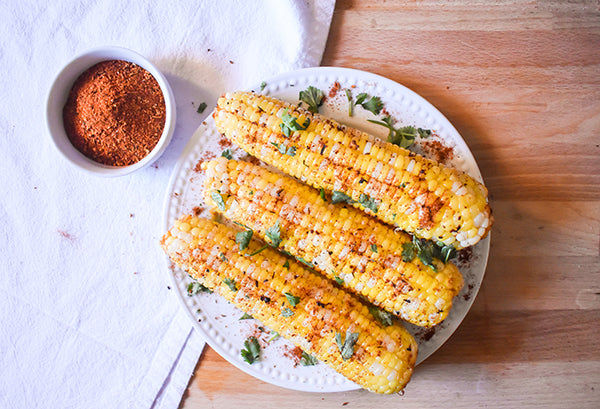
column 58, row 93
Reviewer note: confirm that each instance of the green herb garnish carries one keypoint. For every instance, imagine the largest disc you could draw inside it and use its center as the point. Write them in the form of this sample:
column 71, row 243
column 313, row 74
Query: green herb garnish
column 286, row 312
column 195, row 287
column 306, row 263
column 222, row 257
column 409, row 252
column 201, row 108
column 346, row 346
column 368, row 202
column 246, row 316
column 338, row 280
column 243, row 238
column 350, row 102
column 254, row 253
column 230, row 283
column 308, row 360
column 426, row 251
column 263, row 85
column 292, row 299
column 218, row 199
column 285, row 150
column 322, row 194
column 286, row 264
column 374, row 248
column 340, row 197
column 404, row 136
column 274, row 336
column 289, row 124
column 373, row 105
column 313, row 97
column 383, row 317
column 274, row 234
column 251, row 351
column 227, row 154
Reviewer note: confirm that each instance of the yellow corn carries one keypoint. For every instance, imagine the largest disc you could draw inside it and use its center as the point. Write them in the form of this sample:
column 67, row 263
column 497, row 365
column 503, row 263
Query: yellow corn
column 401, row 188
column 382, row 358
column 341, row 242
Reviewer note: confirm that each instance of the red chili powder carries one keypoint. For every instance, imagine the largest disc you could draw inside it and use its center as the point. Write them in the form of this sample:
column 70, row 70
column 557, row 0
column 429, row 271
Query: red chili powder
column 115, row 113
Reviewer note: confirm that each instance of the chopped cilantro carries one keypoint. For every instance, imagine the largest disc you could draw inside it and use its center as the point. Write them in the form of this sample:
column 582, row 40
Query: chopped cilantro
column 374, row 248
column 222, row 257
column 446, row 252
column 322, row 194
column 195, row 287
column 373, row 105
column 227, row 154
column 383, row 317
column 289, row 124
column 338, row 280
column 254, row 253
column 273, row 233
column 292, row 299
column 368, row 202
column 409, row 252
column 350, row 102
column 286, row 264
column 284, row 150
column 274, row 336
column 308, row 360
column 218, row 199
column 340, row 197
column 306, row 263
column 346, row 346
column 230, row 283
column 246, row 316
column 263, row 85
column 251, row 351
column 201, row 107
column 313, row 97
column 426, row 251
column 286, row 312
column 243, row 238
column 403, row 136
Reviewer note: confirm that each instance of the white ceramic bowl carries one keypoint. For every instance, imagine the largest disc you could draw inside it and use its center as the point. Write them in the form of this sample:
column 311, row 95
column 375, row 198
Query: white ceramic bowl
column 59, row 93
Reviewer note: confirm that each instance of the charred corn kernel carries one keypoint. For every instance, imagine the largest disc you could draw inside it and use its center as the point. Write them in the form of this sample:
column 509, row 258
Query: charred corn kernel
column 335, row 157
column 382, row 358
column 335, row 239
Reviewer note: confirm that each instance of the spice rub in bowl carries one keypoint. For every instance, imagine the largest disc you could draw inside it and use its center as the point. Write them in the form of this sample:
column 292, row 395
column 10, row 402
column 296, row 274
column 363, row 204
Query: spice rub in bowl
column 115, row 113
column 110, row 112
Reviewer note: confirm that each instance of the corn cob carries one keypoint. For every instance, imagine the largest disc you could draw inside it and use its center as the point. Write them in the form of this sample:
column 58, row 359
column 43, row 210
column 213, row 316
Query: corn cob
column 401, row 188
column 341, row 242
column 382, row 358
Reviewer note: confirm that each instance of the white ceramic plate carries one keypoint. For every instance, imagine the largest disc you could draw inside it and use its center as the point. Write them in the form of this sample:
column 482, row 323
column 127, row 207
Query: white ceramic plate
column 217, row 320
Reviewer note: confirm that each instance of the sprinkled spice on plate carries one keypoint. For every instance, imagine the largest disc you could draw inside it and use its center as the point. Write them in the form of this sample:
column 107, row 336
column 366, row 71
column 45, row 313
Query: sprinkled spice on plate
column 115, row 113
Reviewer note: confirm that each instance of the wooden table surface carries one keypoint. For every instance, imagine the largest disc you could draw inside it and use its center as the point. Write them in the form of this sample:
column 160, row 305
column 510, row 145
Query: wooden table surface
column 520, row 80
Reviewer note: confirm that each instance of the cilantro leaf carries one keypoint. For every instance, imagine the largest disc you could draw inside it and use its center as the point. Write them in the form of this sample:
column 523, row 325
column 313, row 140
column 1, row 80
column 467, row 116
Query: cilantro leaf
column 313, row 97
column 308, row 360
column 286, row 312
column 246, row 316
column 447, row 252
column 251, row 351
column 322, row 194
column 201, row 108
column 222, row 257
column 346, row 347
column 360, row 98
column 306, row 263
column 280, row 147
column 403, row 136
column 230, row 283
column 368, row 202
column 373, row 105
column 273, row 233
column 263, row 85
column 218, row 199
column 340, row 197
column 424, row 133
column 292, row 299
column 243, row 238
column 274, row 336
column 338, row 280
column 374, row 248
column 227, row 154
column 409, row 252
column 195, row 287
column 383, row 317
column 286, row 264
column 289, row 124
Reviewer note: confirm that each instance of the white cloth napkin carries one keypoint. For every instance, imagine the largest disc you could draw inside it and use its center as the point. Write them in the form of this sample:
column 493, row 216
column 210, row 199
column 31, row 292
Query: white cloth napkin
column 86, row 316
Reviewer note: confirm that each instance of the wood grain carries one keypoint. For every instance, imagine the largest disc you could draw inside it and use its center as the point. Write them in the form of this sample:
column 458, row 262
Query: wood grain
column 520, row 80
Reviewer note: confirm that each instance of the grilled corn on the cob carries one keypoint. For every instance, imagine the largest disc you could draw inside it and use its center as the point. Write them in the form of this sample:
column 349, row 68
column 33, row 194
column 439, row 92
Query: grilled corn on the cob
column 382, row 358
column 340, row 241
column 398, row 186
